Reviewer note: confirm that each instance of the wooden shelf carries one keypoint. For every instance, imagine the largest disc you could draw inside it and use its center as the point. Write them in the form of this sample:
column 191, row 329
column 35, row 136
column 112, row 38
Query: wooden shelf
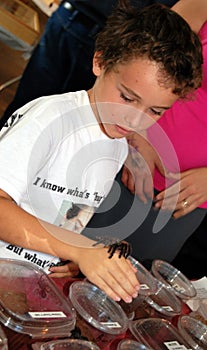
column 20, row 20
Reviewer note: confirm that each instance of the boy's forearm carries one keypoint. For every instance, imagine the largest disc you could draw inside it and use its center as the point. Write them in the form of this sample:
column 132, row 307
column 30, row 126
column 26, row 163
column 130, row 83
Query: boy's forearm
column 20, row 228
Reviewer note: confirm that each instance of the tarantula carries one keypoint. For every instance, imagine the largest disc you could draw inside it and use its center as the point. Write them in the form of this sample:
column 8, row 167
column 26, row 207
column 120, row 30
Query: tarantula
column 124, row 248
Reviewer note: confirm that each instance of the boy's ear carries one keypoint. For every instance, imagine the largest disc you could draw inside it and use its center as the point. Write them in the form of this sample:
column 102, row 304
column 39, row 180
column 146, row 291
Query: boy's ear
column 97, row 66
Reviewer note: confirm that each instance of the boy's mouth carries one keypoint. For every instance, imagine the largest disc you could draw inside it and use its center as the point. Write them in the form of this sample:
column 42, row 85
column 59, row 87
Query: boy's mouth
column 122, row 130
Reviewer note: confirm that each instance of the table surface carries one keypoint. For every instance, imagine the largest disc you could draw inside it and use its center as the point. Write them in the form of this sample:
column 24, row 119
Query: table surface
column 18, row 341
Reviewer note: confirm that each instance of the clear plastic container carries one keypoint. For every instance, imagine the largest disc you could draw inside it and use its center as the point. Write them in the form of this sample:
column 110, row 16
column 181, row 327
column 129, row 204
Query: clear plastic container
column 174, row 279
column 128, row 344
column 147, row 282
column 157, row 334
column 163, row 303
column 31, row 303
column 69, row 344
column 3, row 340
column 193, row 331
column 99, row 317
column 148, row 286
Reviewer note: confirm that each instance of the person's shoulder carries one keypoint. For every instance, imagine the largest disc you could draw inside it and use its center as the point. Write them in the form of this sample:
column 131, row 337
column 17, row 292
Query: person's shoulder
column 68, row 101
column 76, row 97
column 56, row 103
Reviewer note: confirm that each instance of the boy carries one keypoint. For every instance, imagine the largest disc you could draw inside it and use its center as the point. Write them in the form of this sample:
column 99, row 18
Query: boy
column 71, row 146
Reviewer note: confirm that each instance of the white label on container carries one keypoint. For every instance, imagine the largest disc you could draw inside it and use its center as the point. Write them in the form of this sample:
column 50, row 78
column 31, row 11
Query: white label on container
column 143, row 286
column 178, row 288
column 168, row 308
column 111, row 324
column 174, row 345
column 47, row 314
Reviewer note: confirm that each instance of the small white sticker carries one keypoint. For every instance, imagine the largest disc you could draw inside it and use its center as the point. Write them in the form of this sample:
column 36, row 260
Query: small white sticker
column 111, row 324
column 168, row 308
column 178, row 288
column 48, row 314
column 143, row 286
column 174, row 345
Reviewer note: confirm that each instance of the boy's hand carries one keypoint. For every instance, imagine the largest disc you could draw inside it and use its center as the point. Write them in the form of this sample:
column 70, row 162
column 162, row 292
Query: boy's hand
column 115, row 276
column 137, row 174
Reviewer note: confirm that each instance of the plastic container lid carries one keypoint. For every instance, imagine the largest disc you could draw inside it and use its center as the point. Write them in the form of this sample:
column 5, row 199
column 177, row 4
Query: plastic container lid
column 69, row 344
column 173, row 278
column 164, row 301
column 147, row 282
column 193, row 331
column 157, row 334
column 31, row 303
column 3, row 340
column 128, row 344
column 97, row 308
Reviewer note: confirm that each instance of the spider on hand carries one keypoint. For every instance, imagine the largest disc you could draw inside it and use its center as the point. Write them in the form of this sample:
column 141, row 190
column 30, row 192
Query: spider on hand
column 124, row 248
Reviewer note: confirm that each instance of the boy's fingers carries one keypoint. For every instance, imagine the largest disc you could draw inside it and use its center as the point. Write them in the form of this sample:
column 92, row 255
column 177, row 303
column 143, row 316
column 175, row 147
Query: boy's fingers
column 124, row 285
column 111, row 286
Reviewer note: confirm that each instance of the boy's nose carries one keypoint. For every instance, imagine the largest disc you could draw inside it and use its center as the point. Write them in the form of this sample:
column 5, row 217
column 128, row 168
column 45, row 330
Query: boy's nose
column 134, row 118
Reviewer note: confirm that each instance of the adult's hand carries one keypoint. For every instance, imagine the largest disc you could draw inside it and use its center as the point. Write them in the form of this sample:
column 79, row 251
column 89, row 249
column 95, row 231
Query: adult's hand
column 190, row 190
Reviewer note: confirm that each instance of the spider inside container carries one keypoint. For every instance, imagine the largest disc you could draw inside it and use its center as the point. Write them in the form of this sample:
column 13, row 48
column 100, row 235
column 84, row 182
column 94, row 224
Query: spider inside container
column 113, row 245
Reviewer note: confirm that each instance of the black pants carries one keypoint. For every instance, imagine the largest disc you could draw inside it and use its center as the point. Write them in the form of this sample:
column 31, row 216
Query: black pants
column 152, row 233
column 192, row 258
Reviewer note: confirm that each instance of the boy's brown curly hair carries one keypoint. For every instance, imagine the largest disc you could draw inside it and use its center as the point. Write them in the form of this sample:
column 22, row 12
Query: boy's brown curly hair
column 158, row 34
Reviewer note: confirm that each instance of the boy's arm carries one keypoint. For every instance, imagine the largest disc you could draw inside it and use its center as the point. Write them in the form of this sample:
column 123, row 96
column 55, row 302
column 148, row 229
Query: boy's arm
column 115, row 276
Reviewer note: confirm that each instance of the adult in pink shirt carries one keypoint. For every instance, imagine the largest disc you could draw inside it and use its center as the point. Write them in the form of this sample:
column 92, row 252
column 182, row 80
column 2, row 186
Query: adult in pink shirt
column 185, row 124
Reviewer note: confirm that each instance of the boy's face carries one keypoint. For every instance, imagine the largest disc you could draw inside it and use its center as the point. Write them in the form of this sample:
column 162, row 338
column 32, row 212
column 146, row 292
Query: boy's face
column 129, row 98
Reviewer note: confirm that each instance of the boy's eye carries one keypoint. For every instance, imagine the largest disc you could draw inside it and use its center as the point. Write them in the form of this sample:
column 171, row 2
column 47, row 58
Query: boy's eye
column 155, row 112
column 125, row 98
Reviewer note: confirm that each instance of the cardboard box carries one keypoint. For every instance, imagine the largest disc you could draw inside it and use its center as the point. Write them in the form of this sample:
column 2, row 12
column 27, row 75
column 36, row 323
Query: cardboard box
column 20, row 20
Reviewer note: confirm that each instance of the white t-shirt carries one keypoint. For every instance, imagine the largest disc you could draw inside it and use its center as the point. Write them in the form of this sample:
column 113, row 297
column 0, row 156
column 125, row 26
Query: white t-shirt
column 55, row 157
